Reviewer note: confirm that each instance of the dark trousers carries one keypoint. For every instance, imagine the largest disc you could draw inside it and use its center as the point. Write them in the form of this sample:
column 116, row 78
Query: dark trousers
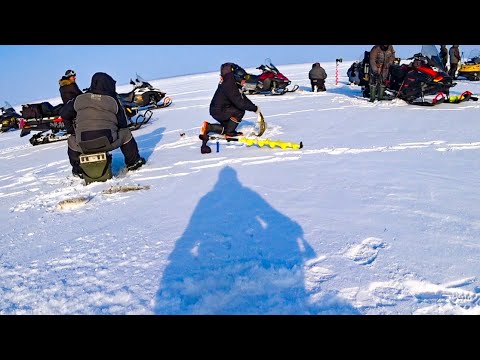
column 229, row 121
column 319, row 83
column 453, row 70
column 127, row 145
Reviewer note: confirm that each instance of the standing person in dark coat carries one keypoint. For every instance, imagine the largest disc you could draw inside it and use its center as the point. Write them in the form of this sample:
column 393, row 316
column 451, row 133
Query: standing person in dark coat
column 454, row 60
column 68, row 87
column 317, row 76
column 99, row 113
column 381, row 58
column 444, row 56
column 228, row 104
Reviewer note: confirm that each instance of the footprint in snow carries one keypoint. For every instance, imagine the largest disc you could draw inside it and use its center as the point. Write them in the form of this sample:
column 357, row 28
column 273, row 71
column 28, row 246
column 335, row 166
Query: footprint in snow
column 366, row 252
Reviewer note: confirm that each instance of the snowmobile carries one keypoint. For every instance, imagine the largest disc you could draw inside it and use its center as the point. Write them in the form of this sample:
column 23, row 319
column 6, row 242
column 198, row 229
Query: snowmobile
column 9, row 118
column 145, row 95
column 423, row 76
column 42, row 117
column 471, row 68
column 52, row 128
column 270, row 82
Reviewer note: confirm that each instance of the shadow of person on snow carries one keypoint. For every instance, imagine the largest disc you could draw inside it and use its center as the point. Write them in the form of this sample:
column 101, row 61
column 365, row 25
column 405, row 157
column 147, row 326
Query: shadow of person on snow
column 146, row 144
column 238, row 255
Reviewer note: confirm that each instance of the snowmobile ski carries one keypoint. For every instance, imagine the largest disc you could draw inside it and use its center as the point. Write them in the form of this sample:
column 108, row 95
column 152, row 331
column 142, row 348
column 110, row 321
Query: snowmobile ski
column 42, row 138
column 140, row 120
column 275, row 92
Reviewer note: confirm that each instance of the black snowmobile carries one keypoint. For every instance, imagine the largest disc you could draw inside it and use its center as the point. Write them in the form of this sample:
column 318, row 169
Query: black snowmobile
column 423, row 76
column 51, row 127
column 423, row 81
column 42, row 117
column 144, row 94
column 9, row 118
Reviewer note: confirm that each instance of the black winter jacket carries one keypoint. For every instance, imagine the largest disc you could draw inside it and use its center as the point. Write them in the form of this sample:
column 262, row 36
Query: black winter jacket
column 228, row 95
column 68, row 90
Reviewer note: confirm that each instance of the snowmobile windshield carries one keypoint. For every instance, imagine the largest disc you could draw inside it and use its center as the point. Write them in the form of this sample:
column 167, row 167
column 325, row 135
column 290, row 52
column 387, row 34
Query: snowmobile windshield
column 7, row 108
column 474, row 56
column 141, row 81
column 268, row 62
column 430, row 52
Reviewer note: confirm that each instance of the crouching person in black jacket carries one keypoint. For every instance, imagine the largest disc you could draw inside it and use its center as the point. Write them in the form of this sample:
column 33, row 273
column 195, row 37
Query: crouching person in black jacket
column 96, row 114
column 228, row 104
column 317, row 76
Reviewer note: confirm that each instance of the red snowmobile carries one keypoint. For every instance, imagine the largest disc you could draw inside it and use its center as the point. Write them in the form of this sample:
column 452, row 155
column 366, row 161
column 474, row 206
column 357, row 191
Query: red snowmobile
column 270, row 82
column 423, row 81
column 424, row 76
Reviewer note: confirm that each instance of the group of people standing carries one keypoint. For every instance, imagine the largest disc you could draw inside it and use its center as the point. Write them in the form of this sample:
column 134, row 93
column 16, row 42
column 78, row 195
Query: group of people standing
column 455, row 57
column 383, row 56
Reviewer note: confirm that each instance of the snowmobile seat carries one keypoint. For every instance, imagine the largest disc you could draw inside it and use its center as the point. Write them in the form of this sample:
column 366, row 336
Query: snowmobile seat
column 56, row 110
column 127, row 97
column 96, row 161
column 46, row 108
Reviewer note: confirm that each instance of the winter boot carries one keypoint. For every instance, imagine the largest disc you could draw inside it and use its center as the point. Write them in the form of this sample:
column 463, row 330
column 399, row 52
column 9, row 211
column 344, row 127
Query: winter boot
column 77, row 172
column 137, row 164
column 373, row 92
column 381, row 92
column 205, row 149
column 205, row 128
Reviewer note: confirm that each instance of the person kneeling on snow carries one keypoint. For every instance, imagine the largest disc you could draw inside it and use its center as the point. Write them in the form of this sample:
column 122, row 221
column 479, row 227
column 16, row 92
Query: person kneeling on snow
column 96, row 114
column 228, row 104
column 317, row 76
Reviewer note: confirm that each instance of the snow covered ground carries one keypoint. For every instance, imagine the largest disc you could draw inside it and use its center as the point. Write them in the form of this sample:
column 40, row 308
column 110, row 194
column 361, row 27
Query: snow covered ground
column 378, row 213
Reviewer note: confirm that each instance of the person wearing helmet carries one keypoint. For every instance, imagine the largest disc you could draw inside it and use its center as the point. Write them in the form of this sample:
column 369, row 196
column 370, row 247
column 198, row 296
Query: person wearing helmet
column 68, row 87
column 228, row 104
column 381, row 58
column 99, row 113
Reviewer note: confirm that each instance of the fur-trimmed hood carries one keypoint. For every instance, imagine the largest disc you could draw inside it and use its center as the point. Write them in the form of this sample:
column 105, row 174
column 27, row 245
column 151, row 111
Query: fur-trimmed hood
column 65, row 82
